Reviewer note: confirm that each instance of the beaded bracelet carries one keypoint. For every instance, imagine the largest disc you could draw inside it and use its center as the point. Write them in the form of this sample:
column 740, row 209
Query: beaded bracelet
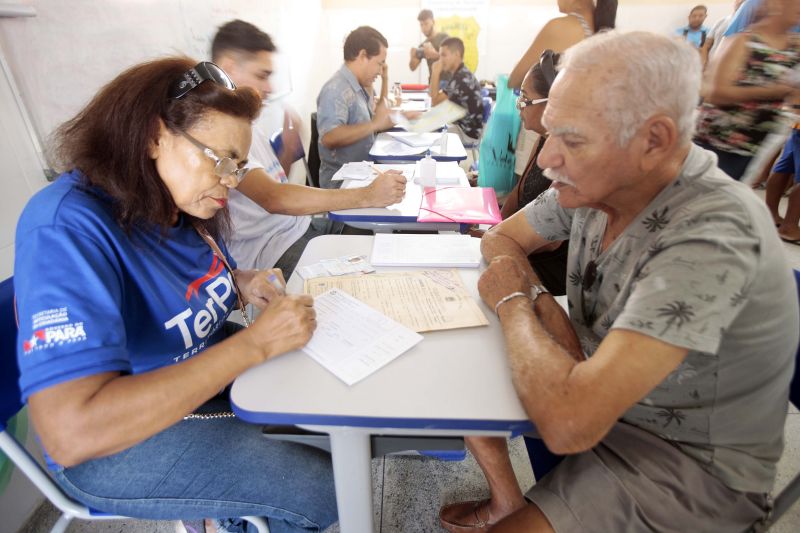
column 508, row 297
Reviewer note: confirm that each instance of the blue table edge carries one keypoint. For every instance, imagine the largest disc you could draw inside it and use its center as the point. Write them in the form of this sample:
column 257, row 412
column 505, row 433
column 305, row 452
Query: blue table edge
column 516, row 427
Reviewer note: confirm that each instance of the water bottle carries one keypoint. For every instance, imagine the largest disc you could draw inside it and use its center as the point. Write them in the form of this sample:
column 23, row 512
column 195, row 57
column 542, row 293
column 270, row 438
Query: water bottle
column 427, row 171
column 398, row 94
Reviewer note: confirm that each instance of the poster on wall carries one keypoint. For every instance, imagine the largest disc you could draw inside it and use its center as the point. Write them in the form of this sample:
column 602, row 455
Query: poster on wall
column 461, row 18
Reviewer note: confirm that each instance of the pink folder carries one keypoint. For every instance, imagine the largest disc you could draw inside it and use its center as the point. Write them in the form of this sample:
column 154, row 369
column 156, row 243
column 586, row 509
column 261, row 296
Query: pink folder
column 467, row 205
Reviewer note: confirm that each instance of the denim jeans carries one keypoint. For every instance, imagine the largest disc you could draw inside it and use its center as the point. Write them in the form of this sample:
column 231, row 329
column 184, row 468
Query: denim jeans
column 219, row 468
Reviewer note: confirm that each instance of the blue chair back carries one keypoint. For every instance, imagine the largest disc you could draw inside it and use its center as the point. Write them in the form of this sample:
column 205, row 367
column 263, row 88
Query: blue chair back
column 487, row 109
column 10, row 402
column 276, row 141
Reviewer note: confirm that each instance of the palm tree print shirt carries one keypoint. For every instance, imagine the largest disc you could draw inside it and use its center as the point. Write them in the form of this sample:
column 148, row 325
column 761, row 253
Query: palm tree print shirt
column 701, row 267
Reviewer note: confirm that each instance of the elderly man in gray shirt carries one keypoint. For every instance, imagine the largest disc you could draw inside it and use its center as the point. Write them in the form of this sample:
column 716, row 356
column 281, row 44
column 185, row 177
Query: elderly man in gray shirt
column 667, row 384
column 347, row 116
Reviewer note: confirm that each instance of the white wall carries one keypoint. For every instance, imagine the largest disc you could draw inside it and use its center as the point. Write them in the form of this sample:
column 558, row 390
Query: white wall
column 62, row 56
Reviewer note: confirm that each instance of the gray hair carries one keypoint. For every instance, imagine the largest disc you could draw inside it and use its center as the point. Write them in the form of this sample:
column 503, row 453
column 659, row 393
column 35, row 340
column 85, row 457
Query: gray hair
column 651, row 74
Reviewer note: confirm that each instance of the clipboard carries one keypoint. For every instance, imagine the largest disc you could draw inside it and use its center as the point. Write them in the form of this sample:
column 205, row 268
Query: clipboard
column 466, row 205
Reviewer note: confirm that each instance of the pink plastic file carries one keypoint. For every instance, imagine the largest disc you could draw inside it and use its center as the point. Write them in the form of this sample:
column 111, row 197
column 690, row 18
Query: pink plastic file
column 467, row 205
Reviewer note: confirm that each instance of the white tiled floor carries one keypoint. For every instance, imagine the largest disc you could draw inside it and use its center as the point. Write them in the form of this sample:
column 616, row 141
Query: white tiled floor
column 410, row 490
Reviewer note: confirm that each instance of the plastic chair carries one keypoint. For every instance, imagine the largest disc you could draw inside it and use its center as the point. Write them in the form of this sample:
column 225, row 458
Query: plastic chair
column 487, row 109
column 313, row 154
column 791, row 493
column 10, row 405
column 276, row 142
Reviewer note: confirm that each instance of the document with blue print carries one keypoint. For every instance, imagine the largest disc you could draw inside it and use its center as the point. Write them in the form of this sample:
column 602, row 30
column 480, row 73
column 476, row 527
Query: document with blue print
column 352, row 340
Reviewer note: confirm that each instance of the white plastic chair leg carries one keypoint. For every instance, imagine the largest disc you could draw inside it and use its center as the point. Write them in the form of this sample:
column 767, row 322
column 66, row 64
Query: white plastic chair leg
column 62, row 523
column 257, row 521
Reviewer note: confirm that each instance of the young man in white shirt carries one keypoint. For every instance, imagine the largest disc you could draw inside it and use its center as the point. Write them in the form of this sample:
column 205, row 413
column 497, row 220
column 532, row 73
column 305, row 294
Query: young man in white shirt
column 271, row 218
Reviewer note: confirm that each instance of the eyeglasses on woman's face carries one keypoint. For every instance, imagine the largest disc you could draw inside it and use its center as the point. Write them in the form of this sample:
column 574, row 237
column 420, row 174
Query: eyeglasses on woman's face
column 523, row 102
column 224, row 167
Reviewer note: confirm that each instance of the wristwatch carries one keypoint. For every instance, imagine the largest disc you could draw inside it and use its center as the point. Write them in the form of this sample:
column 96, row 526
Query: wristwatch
column 536, row 291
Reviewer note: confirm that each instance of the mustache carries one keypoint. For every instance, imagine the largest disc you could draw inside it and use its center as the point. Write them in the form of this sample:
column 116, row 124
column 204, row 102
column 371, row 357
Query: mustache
column 554, row 175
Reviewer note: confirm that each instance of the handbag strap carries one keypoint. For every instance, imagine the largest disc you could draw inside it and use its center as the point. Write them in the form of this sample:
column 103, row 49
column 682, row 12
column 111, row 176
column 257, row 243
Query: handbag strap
column 203, row 232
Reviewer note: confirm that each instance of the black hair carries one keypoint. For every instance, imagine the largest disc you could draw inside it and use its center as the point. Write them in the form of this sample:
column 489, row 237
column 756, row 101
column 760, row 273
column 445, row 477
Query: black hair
column 238, row 35
column 455, row 44
column 605, row 15
column 364, row 38
column 700, row 7
column 542, row 81
column 425, row 14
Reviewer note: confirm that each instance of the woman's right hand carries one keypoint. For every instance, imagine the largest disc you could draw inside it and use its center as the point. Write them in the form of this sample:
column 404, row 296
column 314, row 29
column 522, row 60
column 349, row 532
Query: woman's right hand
column 286, row 324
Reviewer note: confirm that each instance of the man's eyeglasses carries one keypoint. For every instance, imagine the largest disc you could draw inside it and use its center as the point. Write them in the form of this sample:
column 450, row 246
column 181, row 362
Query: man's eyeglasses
column 203, row 71
column 590, row 276
column 225, row 166
column 523, row 102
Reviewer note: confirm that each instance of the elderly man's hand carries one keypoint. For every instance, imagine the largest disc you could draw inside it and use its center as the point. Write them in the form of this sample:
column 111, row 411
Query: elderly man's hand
column 387, row 189
column 503, row 277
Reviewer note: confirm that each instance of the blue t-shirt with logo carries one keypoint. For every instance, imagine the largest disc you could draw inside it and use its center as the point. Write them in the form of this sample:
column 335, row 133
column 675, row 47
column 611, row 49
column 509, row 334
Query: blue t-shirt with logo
column 93, row 298
column 695, row 37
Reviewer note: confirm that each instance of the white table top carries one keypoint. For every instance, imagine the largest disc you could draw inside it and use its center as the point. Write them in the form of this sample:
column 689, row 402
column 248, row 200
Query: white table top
column 457, row 379
column 387, row 149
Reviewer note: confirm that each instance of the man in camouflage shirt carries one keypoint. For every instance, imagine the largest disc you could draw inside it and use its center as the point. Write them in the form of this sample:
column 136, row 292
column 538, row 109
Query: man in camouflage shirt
column 462, row 88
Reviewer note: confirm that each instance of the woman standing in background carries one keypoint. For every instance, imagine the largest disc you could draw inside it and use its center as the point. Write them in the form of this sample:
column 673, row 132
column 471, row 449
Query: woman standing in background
column 581, row 19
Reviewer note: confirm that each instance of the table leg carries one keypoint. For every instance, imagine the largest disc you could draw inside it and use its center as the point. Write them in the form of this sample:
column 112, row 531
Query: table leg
column 352, row 473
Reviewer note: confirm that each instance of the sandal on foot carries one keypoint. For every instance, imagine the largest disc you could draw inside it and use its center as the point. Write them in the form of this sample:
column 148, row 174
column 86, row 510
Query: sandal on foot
column 466, row 517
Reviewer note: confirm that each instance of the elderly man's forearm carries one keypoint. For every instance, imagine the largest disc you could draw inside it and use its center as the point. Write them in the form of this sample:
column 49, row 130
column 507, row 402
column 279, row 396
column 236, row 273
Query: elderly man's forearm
column 544, row 353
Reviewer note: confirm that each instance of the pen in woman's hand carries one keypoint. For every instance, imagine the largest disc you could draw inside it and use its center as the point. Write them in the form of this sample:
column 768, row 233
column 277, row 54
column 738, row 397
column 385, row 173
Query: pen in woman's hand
column 275, row 282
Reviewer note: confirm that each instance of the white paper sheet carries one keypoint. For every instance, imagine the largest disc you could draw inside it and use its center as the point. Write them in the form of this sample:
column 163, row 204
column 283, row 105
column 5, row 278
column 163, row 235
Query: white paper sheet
column 416, row 139
column 352, row 340
column 425, row 250
column 357, row 170
column 447, row 173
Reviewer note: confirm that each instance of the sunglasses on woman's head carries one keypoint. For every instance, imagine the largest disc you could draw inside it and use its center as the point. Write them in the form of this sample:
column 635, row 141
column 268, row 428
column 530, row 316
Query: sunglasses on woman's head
column 548, row 66
column 203, row 71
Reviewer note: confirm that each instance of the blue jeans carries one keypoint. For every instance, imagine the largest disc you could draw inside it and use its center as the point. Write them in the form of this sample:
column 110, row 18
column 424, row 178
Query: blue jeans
column 220, row 468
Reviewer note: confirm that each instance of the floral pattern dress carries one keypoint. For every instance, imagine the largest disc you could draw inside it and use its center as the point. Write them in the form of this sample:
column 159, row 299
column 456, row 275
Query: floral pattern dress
column 742, row 127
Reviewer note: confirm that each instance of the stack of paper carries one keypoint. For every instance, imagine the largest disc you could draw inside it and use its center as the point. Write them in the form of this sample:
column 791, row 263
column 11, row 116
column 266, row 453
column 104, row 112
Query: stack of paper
column 426, row 250
column 348, row 264
column 422, row 300
column 447, row 173
column 352, row 340
column 357, row 170
column 444, row 113
column 415, row 139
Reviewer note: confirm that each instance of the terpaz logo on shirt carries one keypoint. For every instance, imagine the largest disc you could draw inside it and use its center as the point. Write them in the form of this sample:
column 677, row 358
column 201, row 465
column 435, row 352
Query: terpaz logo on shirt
column 197, row 322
